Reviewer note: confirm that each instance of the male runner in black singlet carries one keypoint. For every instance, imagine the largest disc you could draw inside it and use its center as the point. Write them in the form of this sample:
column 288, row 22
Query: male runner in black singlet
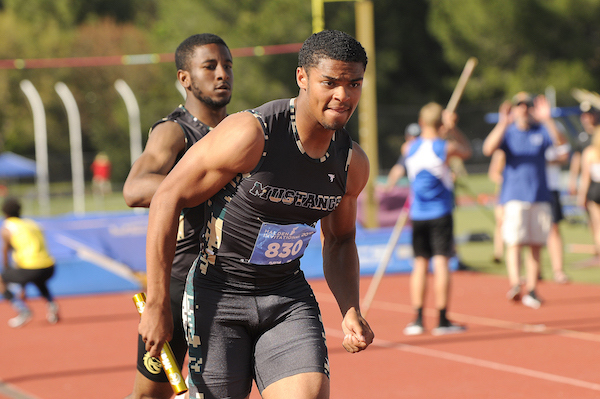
column 204, row 69
column 268, row 175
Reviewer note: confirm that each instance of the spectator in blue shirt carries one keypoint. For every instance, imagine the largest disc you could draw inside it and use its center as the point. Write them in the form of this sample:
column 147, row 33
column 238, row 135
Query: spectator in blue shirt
column 524, row 131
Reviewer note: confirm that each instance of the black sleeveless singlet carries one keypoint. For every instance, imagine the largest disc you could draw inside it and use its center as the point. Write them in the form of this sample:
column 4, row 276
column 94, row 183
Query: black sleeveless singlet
column 287, row 193
column 191, row 220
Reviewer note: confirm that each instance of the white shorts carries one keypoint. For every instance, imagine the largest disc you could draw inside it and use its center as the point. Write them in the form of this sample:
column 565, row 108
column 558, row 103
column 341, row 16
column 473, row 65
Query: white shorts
column 526, row 223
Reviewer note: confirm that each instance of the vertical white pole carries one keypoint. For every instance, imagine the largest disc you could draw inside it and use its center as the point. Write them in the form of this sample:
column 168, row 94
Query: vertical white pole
column 76, row 146
column 41, row 145
column 133, row 110
column 550, row 94
column 181, row 90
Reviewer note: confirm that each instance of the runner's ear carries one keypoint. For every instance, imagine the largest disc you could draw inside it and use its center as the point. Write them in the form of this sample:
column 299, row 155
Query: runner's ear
column 302, row 78
column 184, row 78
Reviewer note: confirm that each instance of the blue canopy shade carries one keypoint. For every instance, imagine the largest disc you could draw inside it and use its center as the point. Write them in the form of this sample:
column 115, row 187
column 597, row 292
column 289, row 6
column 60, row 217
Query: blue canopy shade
column 15, row 166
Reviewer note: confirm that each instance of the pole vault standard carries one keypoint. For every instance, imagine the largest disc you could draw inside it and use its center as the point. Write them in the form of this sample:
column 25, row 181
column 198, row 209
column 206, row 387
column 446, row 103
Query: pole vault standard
column 41, row 145
column 133, row 110
column 76, row 147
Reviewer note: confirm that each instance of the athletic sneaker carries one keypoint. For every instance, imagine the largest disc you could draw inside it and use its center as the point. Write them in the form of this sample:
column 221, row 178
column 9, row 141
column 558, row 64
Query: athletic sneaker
column 451, row 328
column 514, row 294
column 21, row 319
column 52, row 314
column 532, row 300
column 414, row 328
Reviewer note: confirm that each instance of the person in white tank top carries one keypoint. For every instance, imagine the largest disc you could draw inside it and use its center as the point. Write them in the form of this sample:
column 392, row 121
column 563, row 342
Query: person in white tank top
column 556, row 156
column 588, row 194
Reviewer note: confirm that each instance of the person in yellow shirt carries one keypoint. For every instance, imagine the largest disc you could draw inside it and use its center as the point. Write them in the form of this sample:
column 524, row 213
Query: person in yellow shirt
column 31, row 262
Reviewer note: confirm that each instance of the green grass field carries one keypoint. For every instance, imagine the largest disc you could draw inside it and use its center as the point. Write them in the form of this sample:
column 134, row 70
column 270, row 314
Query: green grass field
column 61, row 199
column 479, row 255
column 468, row 219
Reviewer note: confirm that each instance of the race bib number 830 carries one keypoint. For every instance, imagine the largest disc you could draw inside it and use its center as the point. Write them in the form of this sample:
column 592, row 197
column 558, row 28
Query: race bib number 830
column 278, row 244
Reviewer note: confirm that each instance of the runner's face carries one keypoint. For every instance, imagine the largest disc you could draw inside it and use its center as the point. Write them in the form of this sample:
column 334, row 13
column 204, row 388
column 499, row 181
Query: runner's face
column 211, row 75
column 333, row 89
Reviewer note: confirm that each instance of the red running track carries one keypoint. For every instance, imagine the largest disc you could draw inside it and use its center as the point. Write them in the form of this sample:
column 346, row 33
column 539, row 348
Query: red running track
column 509, row 351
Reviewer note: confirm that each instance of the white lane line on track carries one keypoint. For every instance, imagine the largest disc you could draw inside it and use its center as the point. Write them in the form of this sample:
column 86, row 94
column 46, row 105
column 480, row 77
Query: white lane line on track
column 476, row 362
column 483, row 321
column 489, row 322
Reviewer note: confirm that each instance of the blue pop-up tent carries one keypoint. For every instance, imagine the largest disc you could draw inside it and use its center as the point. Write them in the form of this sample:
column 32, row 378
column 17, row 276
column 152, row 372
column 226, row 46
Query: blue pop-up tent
column 14, row 166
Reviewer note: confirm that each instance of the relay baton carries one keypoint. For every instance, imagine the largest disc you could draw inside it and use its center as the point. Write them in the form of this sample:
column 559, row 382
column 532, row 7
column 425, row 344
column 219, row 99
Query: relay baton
column 167, row 358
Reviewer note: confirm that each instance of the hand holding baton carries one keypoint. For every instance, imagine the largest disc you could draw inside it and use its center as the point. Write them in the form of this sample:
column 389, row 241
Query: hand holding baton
column 167, row 358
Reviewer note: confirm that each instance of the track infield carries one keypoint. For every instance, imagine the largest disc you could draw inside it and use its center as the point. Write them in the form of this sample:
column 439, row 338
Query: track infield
column 508, row 350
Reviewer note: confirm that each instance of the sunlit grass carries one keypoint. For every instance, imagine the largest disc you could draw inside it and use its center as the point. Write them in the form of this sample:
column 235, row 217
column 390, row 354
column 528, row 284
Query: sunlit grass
column 468, row 219
column 61, row 199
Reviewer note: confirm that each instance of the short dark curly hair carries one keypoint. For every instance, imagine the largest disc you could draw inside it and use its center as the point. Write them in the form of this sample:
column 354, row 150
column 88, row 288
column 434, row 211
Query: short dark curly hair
column 333, row 45
column 185, row 51
column 11, row 207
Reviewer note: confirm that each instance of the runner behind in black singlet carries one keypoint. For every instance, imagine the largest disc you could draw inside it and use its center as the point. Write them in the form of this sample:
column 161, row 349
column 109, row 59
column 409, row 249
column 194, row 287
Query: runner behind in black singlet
column 204, row 67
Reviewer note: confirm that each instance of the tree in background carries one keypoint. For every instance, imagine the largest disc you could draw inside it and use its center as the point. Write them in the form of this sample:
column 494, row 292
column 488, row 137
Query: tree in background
column 521, row 45
column 421, row 45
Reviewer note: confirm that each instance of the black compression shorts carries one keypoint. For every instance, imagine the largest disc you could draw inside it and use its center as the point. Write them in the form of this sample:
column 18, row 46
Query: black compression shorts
column 151, row 367
column 593, row 193
column 262, row 337
column 24, row 276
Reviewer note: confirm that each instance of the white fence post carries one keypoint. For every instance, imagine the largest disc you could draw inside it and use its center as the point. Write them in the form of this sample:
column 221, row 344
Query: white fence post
column 41, row 146
column 76, row 147
column 133, row 110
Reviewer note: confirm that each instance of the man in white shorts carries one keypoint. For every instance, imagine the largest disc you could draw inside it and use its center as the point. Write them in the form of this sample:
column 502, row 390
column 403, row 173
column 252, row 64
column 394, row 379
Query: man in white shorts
column 526, row 222
column 524, row 131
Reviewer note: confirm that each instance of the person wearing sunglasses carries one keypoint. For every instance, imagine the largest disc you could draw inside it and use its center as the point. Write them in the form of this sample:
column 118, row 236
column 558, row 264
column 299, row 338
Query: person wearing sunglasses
column 525, row 130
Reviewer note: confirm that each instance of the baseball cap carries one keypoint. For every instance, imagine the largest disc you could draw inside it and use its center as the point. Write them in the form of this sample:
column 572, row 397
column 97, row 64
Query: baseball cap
column 522, row 97
column 413, row 130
